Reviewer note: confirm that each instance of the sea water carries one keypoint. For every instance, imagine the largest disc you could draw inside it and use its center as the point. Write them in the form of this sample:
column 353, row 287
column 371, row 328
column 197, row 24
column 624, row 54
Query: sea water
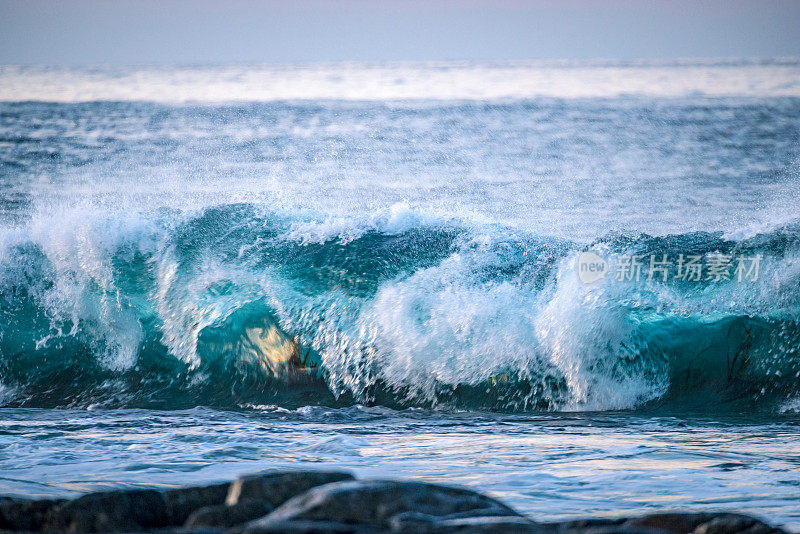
column 206, row 271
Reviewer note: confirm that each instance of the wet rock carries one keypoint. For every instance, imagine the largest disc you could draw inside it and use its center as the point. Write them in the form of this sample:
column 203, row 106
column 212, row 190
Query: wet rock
column 277, row 487
column 311, row 527
column 182, row 502
column 730, row 523
column 329, row 502
column 582, row 524
column 114, row 511
column 422, row 523
column 670, row 522
column 612, row 529
column 599, row 526
column 225, row 516
column 183, row 530
column 704, row 523
column 374, row 503
column 253, row 496
column 22, row 514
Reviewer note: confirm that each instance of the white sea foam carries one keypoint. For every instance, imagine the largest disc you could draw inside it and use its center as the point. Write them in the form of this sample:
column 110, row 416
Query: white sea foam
column 400, row 81
column 790, row 406
column 395, row 219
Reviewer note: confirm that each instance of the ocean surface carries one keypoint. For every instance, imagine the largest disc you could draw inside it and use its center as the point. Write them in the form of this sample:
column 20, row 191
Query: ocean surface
column 467, row 273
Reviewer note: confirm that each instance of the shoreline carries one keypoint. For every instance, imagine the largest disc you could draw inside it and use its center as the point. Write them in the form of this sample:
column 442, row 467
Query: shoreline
column 306, row 501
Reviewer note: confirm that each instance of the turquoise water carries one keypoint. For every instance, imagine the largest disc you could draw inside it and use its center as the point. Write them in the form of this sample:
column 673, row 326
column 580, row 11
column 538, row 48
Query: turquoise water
column 207, row 271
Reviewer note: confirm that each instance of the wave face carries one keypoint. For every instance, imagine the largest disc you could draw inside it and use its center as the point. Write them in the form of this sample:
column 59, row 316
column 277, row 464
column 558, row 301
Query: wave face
column 236, row 305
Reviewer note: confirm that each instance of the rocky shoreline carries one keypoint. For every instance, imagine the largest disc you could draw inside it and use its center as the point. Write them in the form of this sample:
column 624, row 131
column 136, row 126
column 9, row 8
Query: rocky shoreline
column 328, row 502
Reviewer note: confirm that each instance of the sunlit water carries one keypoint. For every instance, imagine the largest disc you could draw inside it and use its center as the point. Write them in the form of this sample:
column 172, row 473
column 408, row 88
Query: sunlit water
column 550, row 466
column 208, row 271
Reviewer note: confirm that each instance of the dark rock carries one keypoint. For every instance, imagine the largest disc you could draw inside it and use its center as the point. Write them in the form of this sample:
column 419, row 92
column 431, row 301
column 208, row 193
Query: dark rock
column 184, row 530
column 670, row 522
column 109, row 512
column 329, row 502
column 421, row 523
column 224, row 516
column 730, row 523
column 599, row 526
column 578, row 524
column 310, row 527
column 704, row 523
column 21, row 514
column 374, row 503
column 182, row 502
column 277, row 487
column 612, row 529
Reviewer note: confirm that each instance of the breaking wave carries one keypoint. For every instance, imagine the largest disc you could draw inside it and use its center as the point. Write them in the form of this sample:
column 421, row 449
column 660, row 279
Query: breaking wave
column 237, row 305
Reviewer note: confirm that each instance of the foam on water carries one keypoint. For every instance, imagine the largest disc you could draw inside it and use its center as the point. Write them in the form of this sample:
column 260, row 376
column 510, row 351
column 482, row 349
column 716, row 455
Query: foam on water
column 402, row 81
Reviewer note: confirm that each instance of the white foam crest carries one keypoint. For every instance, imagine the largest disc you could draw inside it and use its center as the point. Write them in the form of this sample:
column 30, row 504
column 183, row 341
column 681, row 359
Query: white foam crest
column 790, row 406
column 585, row 331
column 397, row 218
column 439, row 327
column 79, row 247
column 7, row 393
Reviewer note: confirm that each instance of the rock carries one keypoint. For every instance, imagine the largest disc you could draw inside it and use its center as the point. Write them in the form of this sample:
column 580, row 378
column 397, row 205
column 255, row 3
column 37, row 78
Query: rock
column 254, row 496
column 23, row 514
column 704, row 523
column 670, row 522
column 582, row 524
column 730, row 523
column 277, row 487
column 108, row 512
column 421, row 523
column 225, row 516
column 312, row 527
column 374, row 503
column 333, row 503
column 611, row 529
column 599, row 526
column 182, row 502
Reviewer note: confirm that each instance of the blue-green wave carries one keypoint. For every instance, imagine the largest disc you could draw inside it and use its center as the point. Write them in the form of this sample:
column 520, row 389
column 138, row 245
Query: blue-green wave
column 237, row 306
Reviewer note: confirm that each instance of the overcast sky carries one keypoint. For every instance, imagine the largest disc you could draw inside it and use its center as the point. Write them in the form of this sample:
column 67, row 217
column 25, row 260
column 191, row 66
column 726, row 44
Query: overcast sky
column 200, row 31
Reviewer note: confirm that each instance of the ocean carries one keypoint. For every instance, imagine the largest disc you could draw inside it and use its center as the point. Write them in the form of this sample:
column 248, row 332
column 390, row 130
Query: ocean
column 574, row 286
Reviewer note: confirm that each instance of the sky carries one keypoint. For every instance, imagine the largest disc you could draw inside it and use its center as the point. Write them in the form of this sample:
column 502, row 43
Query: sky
column 69, row 32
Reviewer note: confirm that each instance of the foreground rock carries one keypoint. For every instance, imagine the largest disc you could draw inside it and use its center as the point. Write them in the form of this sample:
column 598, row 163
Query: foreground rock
column 703, row 523
column 24, row 515
column 329, row 502
column 382, row 505
column 181, row 503
column 254, row 496
column 227, row 515
column 278, row 487
column 218, row 505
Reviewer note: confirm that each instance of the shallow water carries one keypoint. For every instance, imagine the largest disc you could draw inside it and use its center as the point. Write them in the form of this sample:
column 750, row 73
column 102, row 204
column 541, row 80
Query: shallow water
column 552, row 466
column 208, row 271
